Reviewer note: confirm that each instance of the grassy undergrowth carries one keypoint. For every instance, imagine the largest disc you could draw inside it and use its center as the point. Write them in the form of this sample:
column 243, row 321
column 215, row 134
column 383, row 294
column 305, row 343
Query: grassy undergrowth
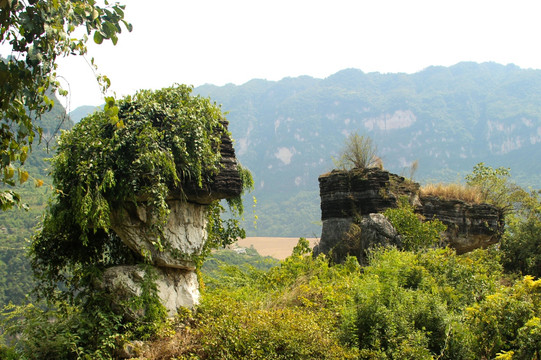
column 427, row 305
column 430, row 304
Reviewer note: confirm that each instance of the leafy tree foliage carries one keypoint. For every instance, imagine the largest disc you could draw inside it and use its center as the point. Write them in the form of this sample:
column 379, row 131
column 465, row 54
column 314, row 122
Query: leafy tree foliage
column 403, row 305
column 521, row 243
column 18, row 225
column 432, row 304
column 38, row 32
column 508, row 321
column 495, row 186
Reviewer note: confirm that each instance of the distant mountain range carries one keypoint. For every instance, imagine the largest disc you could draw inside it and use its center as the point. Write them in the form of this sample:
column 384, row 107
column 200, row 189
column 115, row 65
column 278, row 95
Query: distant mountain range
column 447, row 118
column 82, row 111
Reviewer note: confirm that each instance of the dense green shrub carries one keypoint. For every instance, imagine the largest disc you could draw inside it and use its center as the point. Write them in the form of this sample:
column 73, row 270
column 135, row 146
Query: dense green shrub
column 521, row 243
column 462, row 280
column 61, row 334
column 161, row 142
column 228, row 329
column 416, row 234
column 410, row 305
column 508, row 321
column 403, row 305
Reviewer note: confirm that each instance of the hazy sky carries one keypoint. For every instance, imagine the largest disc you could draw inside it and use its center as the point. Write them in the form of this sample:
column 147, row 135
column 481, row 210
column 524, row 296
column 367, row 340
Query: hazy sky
column 218, row 42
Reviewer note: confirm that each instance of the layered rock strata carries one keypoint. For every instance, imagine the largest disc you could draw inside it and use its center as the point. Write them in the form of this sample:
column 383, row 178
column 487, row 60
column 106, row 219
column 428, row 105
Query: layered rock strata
column 469, row 226
column 360, row 192
column 350, row 199
column 226, row 184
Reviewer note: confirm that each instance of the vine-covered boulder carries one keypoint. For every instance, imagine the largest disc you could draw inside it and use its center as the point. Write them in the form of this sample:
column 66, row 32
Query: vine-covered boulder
column 139, row 182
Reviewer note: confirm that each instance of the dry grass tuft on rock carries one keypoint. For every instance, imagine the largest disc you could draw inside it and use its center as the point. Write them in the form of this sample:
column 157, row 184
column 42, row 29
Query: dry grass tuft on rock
column 468, row 194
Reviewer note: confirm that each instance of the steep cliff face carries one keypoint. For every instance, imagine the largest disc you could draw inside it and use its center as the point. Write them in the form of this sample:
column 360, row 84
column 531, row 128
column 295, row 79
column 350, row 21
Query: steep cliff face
column 172, row 262
column 349, row 199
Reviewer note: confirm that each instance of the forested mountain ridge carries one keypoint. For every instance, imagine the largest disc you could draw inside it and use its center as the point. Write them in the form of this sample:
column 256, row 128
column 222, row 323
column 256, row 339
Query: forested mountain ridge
column 17, row 225
column 447, row 118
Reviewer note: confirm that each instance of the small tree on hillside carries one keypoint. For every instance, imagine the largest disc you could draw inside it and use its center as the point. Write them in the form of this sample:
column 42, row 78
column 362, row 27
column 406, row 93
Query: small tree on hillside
column 521, row 243
column 496, row 187
column 359, row 152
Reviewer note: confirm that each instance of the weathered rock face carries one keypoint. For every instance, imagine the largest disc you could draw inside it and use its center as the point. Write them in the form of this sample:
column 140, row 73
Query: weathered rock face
column 353, row 199
column 176, row 287
column 357, row 192
column 185, row 232
column 469, row 226
column 349, row 198
column 356, row 236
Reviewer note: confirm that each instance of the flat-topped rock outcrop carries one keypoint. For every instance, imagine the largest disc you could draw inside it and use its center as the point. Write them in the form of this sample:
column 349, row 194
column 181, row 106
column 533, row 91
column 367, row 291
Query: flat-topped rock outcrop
column 349, row 199
column 224, row 185
column 360, row 192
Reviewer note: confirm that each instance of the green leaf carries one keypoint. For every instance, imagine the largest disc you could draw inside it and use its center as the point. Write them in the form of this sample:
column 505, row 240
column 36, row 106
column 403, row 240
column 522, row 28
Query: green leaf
column 128, row 25
column 109, row 30
column 23, row 177
column 98, row 38
column 24, row 154
column 9, row 172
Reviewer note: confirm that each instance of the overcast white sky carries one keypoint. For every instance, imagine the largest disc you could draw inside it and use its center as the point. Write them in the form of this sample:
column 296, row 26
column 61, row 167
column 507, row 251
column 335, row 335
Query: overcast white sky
column 218, row 42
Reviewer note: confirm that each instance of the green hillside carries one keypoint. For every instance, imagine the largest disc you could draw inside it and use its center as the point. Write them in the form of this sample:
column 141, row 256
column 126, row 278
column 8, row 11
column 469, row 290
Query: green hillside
column 447, row 118
column 425, row 304
column 17, row 225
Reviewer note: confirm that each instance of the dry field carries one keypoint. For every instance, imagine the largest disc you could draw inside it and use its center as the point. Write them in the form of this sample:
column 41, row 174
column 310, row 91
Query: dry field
column 277, row 247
